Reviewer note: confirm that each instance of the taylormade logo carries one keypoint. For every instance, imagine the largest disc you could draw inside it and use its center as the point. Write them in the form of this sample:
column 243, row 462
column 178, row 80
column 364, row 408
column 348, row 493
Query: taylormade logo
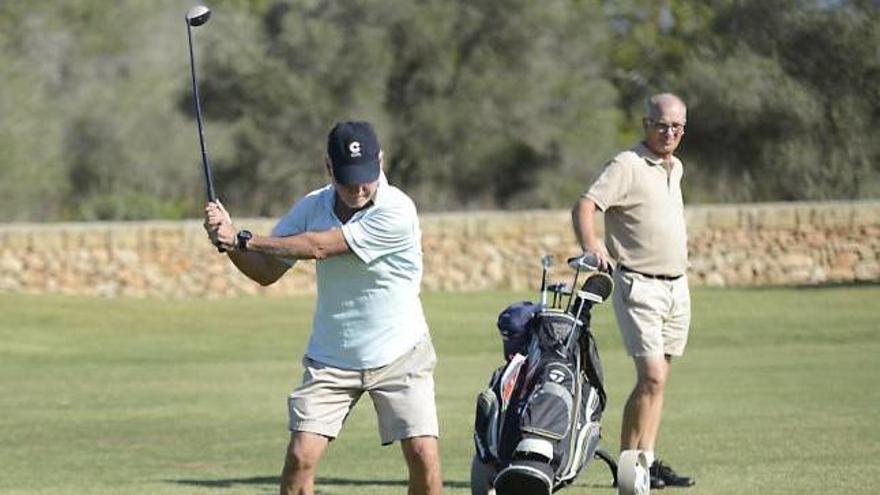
column 556, row 376
column 355, row 149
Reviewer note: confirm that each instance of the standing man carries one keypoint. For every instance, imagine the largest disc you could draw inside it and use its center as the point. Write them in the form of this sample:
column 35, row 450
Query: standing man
column 639, row 192
column 369, row 332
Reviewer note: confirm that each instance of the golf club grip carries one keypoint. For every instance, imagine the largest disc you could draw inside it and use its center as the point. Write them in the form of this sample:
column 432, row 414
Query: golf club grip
column 209, row 182
column 213, row 199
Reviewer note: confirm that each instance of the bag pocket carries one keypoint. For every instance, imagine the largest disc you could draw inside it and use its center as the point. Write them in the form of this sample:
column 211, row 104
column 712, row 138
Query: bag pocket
column 548, row 412
column 486, row 426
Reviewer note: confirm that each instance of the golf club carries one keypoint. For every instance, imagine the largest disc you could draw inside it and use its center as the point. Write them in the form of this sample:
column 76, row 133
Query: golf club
column 196, row 16
column 559, row 290
column 546, row 262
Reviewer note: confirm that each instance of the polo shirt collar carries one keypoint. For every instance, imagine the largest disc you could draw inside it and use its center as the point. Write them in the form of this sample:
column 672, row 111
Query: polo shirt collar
column 645, row 153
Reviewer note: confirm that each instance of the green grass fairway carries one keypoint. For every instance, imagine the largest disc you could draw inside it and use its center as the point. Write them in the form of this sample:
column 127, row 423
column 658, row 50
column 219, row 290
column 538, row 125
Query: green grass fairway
column 778, row 394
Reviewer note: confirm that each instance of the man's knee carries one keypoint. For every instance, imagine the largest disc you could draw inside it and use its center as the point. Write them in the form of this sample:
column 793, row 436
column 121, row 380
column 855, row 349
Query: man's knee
column 421, row 452
column 652, row 375
column 303, row 453
column 651, row 385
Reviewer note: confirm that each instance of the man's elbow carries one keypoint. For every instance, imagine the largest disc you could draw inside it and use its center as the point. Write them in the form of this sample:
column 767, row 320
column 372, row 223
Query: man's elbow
column 269, row 273
column 319, row 252
column 265, row 282
column 263, row 279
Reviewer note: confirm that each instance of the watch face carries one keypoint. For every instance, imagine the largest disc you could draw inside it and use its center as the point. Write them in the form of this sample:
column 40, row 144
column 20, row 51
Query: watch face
column 243, row 237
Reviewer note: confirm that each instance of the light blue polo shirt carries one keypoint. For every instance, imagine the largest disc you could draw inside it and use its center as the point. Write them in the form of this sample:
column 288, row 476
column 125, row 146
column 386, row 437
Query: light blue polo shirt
column 368, row 311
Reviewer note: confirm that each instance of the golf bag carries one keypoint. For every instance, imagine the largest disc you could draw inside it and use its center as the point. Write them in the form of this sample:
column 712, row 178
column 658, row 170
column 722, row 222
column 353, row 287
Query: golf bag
column 537, row 424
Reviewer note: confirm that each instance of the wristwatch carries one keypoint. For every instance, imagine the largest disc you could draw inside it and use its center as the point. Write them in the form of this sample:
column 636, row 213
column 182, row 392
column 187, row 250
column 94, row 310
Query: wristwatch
column 242, row 238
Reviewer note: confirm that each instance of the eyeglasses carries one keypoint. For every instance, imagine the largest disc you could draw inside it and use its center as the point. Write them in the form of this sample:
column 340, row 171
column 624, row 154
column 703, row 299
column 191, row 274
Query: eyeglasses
column 677, row 128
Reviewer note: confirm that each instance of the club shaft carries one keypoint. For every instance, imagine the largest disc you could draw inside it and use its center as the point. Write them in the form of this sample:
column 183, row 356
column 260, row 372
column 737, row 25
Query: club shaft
column 206, row 167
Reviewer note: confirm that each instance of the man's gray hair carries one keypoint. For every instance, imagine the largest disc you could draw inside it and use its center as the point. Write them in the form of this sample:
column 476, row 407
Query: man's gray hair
column 657, row 101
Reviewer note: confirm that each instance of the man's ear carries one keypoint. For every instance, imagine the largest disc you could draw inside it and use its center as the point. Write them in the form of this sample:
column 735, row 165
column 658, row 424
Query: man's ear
column 329, row 167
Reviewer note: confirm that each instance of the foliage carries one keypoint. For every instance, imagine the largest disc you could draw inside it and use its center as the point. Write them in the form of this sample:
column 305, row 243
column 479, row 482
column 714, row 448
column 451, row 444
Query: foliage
column 791, row 93
column 479, row 104
column 783, row 98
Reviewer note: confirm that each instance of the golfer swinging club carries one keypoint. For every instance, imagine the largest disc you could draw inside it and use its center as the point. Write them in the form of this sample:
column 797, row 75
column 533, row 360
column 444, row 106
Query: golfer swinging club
column 369, row 332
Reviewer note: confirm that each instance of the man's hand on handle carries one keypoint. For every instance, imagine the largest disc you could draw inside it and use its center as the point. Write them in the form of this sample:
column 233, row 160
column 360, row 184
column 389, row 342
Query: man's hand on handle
column 606, row 263
column 218, row 225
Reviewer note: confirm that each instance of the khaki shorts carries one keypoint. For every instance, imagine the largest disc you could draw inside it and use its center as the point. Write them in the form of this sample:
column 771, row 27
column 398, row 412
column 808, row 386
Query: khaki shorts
column 653, row 315
column 402, row 393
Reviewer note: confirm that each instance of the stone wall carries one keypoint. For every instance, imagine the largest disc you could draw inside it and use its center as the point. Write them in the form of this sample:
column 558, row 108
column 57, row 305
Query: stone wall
column 730, row 245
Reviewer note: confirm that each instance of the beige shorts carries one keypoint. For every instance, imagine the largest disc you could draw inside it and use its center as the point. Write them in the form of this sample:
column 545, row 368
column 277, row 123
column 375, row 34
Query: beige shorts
column 402, row 393
column 653, row 315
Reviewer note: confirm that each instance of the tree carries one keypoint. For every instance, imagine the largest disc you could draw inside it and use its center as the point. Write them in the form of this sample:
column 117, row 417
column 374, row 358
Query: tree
column 480, row 104
column 789, row 91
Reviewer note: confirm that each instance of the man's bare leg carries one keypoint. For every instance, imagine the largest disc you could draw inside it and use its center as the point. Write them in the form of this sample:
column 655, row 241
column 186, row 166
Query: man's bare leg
column 301, row 463
column 644, row 408
column 423, row 460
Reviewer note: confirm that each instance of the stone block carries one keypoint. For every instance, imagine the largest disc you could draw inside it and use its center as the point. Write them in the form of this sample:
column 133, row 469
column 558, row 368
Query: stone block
column 715, row 279
column 124, row 238
column 10, row 264
column 696, row 219
column 18, row 240
column 834, row 215
column 792, row 262
column 840, row 275
column 781, row 217
column 844, row 260
column 49, row 239
column 867, row 271
column 723, row 218
column 867, row 213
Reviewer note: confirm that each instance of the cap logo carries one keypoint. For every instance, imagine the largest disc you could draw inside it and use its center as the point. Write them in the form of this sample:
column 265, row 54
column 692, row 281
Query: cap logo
column 355, row 149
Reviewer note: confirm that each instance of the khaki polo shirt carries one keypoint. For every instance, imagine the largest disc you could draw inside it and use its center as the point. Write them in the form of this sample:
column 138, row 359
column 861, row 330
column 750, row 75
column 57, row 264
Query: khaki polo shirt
column 644, row 211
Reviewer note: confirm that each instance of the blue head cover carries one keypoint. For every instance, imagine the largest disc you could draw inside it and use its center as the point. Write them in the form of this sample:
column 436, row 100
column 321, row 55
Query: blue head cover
column 514, row 328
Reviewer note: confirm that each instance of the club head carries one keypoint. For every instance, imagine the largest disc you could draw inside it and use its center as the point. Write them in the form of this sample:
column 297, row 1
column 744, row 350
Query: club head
column 559, row 288
column 547, row 261
column 198, row 15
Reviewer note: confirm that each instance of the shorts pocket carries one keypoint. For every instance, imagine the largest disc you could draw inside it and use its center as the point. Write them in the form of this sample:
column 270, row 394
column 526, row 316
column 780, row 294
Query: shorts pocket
column 640, row 291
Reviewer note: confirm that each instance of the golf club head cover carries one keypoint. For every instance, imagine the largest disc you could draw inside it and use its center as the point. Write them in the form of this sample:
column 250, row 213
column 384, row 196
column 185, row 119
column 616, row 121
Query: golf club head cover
column 597, row 287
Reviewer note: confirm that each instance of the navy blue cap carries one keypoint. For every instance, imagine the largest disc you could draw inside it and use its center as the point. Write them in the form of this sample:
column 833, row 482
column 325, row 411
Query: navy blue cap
column 513, row 325
column 353, row 149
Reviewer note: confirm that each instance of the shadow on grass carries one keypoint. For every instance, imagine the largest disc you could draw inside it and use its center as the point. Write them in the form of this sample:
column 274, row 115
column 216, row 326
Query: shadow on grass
column 275, row 480
column 841, row 285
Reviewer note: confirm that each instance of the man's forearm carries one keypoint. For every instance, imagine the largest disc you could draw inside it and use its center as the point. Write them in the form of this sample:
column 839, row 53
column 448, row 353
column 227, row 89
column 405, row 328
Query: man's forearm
column 307, row 245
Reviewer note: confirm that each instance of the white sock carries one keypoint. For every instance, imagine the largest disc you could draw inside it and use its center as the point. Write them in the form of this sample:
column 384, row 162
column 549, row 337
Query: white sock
column 649, row 456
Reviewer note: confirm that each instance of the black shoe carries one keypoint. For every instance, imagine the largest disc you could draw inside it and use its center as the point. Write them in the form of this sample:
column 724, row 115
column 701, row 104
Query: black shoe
column 657, row 482
column 665, row 473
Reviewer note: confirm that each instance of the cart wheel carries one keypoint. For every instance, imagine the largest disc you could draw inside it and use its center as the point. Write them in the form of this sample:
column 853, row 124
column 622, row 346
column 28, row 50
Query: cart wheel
column 632, row 473
column 482, row 475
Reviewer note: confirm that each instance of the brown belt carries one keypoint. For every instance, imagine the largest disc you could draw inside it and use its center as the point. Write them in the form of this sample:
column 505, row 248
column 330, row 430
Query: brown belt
column 649, row 275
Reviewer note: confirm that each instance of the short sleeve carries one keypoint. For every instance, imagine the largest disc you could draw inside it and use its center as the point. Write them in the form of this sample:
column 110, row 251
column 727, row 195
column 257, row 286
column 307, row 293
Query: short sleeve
column 382, row 231
column 293, row 223
column 612, row 184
